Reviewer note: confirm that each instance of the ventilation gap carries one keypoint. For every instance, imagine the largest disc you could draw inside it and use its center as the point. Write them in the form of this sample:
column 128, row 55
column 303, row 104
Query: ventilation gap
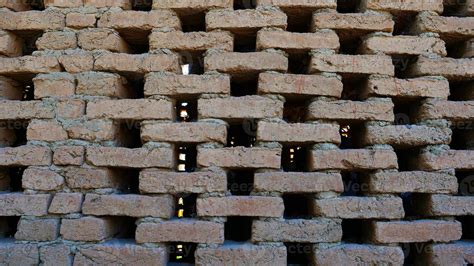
column 240, row 135
column 182, row 252
column 351, row 135
column 406, row 159
column 454, row 8
column 8, row 226
column 238, row 228
column 460, row 49
column 244, row 86
column 186, row 205
column 402, row 63
column 414, row 253
column 354, row 184
column 186, row 158
column 193, row 22
column 352, row 87
column 18, row 129
column 410, row 201
column 192, row 63
column 299, row 21
column 186, row 111
column 348, row 6
column 405, row 111
column 461, row 90
column 245, row 43
column 36, row 4
column 240, row 182
column 128, row 180
column 142, row 5
column 127, row 227
column 298, row 63
column 466, row 183
column 354, row 230
column 137, row 40
column 297, row 206
column 467, row 223
column 349, row 44
column 295, row 111
column 245, row 4
column 295, row 158
column 136, row 87
column 129, row 134
column 11, row 179
column 403, row 22
column 462, row 139
column 298, row 253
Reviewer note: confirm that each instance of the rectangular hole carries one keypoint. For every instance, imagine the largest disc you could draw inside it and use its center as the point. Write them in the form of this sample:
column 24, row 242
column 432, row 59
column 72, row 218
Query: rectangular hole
column 245, row 4
column 467, row 223
column 244, row 86
column 406, row 159
column 129, row 134
column 142, row 5
column 295, row 158
column 349, row 44
column 186, row 160
column 402, row 64
column 299, row 253
column 193, row 22
column 186, row 206
column 127, row 180
column 192, row 63
column 29, row 38
column 354, row 230
column 14, row 133
column 245, row 43
column 466, row 183
column 299, row 21
column 127, row 227
column 414, row 252
column 459, row 48
column 297, row 206
column 461, row 91
column 403, row 22
column 462, row 139
column 240, row 182
column 410, row 201
column 348, row 6
column 239, row 135
column 352, row 87
column 181, row 252
column 354, row 184
column 137, row 40
column 238, row 228
column 295, row 111
column 405, row 111
column 8, row 226
column 452, row 8
column 351, row 135
column 36, row 4
column 11, row 179
column 136, row 87
column 186, row 110
column 298, row 63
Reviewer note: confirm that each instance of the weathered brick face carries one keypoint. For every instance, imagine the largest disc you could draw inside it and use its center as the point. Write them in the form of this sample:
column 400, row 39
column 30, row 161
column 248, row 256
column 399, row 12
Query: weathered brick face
column 237, row 132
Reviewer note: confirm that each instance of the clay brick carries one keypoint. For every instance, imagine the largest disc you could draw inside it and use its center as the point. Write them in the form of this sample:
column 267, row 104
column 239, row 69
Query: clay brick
column 373, row 110
column 46, row 130
column 102, row 39
column 136, row 63
column 78, row 62
column 241, row 254
column 246, row 63
column 70, row 108
column 354, row 254
column 63, row 3
column 80, row 20
column 18, row 254
column 133, row 158
column 412, row 181
column 55, row 254
column 159, row 181
column 406, row 135
column 38, row 178
column 403, row 45
column 138, row 20
column 297, row 230
column 458, row 253
column 54, row 85
column 185, row 133
column 59, row 40
column 296, row 85
column 37, row 230
column 297, row 132
column 14, row 5
column 129, row 205
column 446, row 26
column 25, row 155
column 353, row 159
column 69, row 155
column 93, row 130
column 450, row 110
column 352, row 64
column 190, row 231
column 246, row 107
column 191, row 41
column 403, row 5
column 300, row 4
column 131, row 109
column 88, row 229
column 102, row 84
column 10, row 44
column 416, row 231
column 10, row 89
column 91, row 178
column 124, row 4
column 245, row 20
column 195, row 5
column 296, row 42
column 285, row 182
column 120, row 252
column 240, row 206
column 17, row 204
column 65, row 203
column 29, row 65
column 239, row 157
column 450, row 68
column 355, row 22
column 457, row 159
column 445, row 205
column 186, row 85
column 435, row 87
column 32, row 20
column 359, row 208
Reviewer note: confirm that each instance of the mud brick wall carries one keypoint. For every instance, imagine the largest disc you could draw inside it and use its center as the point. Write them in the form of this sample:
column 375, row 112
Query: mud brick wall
column 220, row 132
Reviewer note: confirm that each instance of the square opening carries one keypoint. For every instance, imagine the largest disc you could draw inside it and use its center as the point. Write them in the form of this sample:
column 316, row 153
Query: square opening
column 192, row 63
column 244, row 86
column 298, row 63
column 414, row 253
column 136, row 87
column 193, row 22
column 299, row 253
column 403, row 22
column 245, row 43
column 454, row 8
column 299, row 21
column 128, row 180
column 186, row 158
column 8, row 226
column 137, row 40
column 29, row 40
column 354, row 230
column 407, row 159
column 128, row 227
column 348, row 6
column 402, row 64
column 181, row 252
column 405, row 111
column 295, row 111
column 240, row 135
column 14, row 133
column 297, row 206
column 459, row 48
column 238, row 228
column 36, row 4
column 245, row 4
column 142, row 5
column 11, row 179
column 129, row 134
column 462, row 138
column 353, row 87
column 186, row 110
column 295, row 158
column 467, row 223
column 461, row 91
column 349, row 44
column 354, row 184
column 186, row 206
column 240, row 182
column 351, row 135
column 411, row 201
column 466, row 183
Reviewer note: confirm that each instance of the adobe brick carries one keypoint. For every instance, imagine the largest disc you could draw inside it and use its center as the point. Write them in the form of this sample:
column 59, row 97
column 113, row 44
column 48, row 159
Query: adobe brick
column 91, row 178
column 358, row 22
column 445, row 26
column 373, row 110
column 12, row 253
column 10, row 89
column 41, row 178
column 124, row 4
column 245, row 63
column 443, row 109
column 10, row 44
column 296, row 42
column 195, row 5
column 412, row 181
column 457, row 159
column 191, row 41
column 70, row 108
column 88, row 228
column 358, row 254
column 25, row 156
column 63, row 3
column 80, row 20
column 406, row 135
column 32, row 20
column 446, row 205
column 403, row 45
column 197, row 132
column 69, row 155
column 353, row 159
column 37, row 229
column 457, row 253
column 241, row 254
column 18, row 204
column 254, row 206
column 245, row 20
column 297, row 132
column 235, row 108
column 187, row 230
column 416, row 231
column 120, row 252
column 359, row 207
column 403, row 5
column 65, row 203
column 56, row 254
column 129, row 205
column 46, row 130
column 77, row 62
column 285, row 182
column 297, row 230
column 102, row 84
column 433, row 87
column 14, row 5
column 185, row 85
column 136, row 63
column 239, row 157
column 29, row 65
column 105, row 39
column 159, row 181
column 139, row 20
column 57, row 40
column 54, row 85
column 450, row 68
column 131, row 109
column 133, row 158
column 296, row 85
column 93, row 130
column 352, row 64
column 299, row 4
